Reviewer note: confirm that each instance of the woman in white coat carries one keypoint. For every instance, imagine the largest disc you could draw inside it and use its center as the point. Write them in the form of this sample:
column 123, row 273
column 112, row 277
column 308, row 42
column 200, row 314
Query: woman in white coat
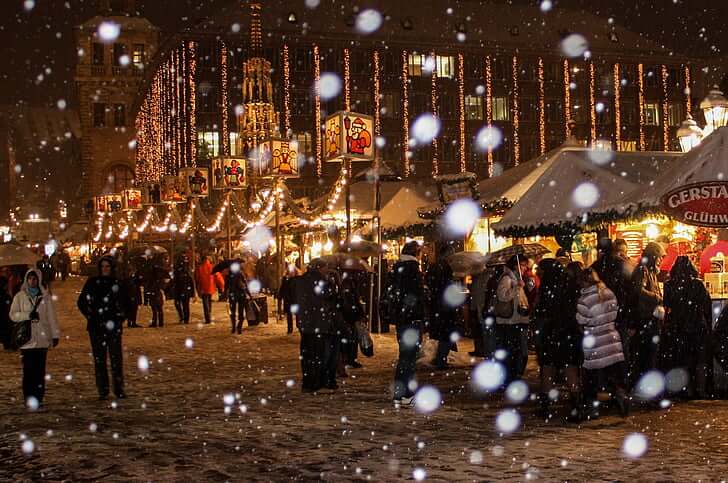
column 35, row 304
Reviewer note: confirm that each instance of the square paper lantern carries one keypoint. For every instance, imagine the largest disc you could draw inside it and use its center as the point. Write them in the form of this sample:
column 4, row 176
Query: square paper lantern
column 100, row 204
column 152, row 193
column 113, row 203
column 229, row 173
column 349, row 134
column 195, row 182
column 131, row 199
column 278, row 158
column 171, row 188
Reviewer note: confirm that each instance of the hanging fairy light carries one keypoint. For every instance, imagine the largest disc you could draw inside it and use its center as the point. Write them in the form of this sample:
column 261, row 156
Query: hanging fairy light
column 489, row 107
column 688, row 106
column 435, row 112
column 516, row 118
column 165, row 223
column 286, row 89
column 99, row 226
column 185, row 98
column 109, row 228
column 461, row 112
column 147, row 220
column 224, row 99
column 592, row 105
column 347, row 81
column 188, row 218
column 641, row 103
column 178, row 109
column 617, row 85
column 665, row 110
column 219, row 216
column 541, row 108
column 317, row 106
column 377, row 95
column 193, row 104
column 567, row 98
column 405, row 114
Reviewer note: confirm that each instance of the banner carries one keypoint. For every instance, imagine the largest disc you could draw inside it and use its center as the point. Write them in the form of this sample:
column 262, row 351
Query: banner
column 700, row 204
column 195, row 182
column 349, row 134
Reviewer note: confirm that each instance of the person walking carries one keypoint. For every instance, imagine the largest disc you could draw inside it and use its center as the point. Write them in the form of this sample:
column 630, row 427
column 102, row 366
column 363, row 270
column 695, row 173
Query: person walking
column 404, row 303
column 603, row 357
column 205, row 286
column 152, row 277
column 320, row 307
column 687, row 327
column 558, row 336
column 647, row 310
column 33, row 303
column 237, row 292
column 183, row 287
column 102, row 303
column 285, row 296
column 511, row 310
column 444, row 314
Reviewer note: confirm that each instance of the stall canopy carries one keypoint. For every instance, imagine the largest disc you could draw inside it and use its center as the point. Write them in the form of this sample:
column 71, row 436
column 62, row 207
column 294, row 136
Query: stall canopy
column 575, row 184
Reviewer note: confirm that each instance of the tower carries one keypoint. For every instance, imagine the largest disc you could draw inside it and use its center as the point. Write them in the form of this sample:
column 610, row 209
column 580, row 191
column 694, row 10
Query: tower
column 259, row 119
column 114, row 48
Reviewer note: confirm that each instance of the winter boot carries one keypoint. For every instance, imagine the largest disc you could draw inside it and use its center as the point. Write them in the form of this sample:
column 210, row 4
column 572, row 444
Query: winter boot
column 234, row 324
column 622, row 399
column 240, row 327
column 577, row 410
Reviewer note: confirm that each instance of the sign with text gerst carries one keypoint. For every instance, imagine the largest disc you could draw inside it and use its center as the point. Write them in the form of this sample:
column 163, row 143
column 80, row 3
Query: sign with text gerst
column 700, row 204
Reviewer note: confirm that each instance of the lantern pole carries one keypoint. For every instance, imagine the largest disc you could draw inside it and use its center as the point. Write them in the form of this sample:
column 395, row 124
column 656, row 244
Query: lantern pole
column 347, row 193
column 279, row 238
column 228, row 208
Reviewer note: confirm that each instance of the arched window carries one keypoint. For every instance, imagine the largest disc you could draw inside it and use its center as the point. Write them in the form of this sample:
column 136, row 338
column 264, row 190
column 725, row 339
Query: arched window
column 119, row 177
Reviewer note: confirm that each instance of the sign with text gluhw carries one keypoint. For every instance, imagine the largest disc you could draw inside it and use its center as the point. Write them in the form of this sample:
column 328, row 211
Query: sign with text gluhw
column 700, row 204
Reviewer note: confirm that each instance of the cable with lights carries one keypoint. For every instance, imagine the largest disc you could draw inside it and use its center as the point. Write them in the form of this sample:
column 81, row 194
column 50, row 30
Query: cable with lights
column 224, row 99
column 435, row 112
column 541, row 107
column 405, row 115
column 317, row 107
column 286, row 89
column 489, row 107
column 567, row 98
column 665, row 109
column 377, row 94
column 641, row 104
column 617, row 81
column 347, row 81
column 592, row 105
column 461, row 113
column 516, row 114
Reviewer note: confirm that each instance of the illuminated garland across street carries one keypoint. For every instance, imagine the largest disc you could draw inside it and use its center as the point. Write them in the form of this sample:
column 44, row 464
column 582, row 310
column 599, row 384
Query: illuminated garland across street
column 435, row 112
column 541, row 108
column 461, row 113
column 516, row 118
column 489, row 107
column 617, row 107
column 567, row 98
column 405, row 115
column 592, row 105
column 665, row 110
column 641, row 104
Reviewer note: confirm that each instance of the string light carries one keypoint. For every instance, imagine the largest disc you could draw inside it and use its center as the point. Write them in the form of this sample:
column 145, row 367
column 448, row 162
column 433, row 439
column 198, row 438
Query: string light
column 99, row 226
column 218, row 217
column 286, row 89
column 405, row 114
column 567, row 98
column 317, row 106
column 110, row 228
column 377, row 95
column 185, row 97
column 592, row 105
column 347, row 81
column 641, row 103
column 188, row 218
column 541, row 108
column 688, row 106
column 461, row 113
column 489, row 107
column 224, row 99
column 193, row 104
column 617, row 106
column 516, row 119
column 436, row 113
column 665, row 110
column 178, row 109
column 147, row 220
column 165, row 223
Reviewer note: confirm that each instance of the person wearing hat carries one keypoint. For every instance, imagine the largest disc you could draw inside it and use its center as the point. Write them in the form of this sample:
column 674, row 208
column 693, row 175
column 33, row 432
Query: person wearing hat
column 647, row 312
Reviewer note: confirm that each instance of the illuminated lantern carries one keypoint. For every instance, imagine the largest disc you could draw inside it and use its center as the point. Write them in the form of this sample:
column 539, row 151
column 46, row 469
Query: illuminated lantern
column 131, row 199
column 277, row 158
column 195, row 182
column 349, row 135
column 152, row 193
column 689, row 134
column 100, row 204
column 715, row 109
column 171, row 189
column 113, row 203
column 229, row 173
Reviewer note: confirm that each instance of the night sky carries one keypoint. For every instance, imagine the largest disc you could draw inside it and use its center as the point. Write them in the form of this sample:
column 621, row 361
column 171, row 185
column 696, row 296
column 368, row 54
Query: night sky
column 42, row 38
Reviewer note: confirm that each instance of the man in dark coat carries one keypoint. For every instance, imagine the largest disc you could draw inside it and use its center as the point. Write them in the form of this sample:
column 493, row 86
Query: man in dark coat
column 102, row 303
column 647, row 311
column 404, row 302
column 319, row 305
column 236, row 288
column 444, row 315
column 153, row 276
column 183, row 287
column 285, row 296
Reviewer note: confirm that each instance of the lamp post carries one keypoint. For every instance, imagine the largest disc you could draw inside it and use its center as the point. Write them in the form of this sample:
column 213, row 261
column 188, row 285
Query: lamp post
column 715, row 109
column 689, row 134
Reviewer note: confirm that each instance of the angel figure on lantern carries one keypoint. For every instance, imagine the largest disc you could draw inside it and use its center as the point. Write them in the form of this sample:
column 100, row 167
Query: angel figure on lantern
column 283, row 158
column 234, row 174
column 332, row 138
column 358, row 139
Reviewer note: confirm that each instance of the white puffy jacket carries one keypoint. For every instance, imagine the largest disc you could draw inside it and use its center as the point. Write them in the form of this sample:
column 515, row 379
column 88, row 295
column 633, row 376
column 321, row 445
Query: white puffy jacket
column 46, row 329
column 596, row 312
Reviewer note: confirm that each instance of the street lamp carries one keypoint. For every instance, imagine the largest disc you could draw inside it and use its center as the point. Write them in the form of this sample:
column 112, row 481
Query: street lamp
column 715, row 109
column 689, row 134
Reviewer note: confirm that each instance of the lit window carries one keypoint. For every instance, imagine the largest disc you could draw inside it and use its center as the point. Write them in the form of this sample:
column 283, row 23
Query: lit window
column 119, row 177
column 675, row 113
column 304, row 143
column 501, row 110
column 208, row 144
column 415, row 63
column 234, row 143
column 652, row 114
column 473, row 108
column 137, row 56
column 445, row 66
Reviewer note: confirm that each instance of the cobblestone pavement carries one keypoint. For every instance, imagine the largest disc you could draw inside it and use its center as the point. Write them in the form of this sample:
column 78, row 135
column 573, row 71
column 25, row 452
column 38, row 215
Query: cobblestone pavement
column 174, row 426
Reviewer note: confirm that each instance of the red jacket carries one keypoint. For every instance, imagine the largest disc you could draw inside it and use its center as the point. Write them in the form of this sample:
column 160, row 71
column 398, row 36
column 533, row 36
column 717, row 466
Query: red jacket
column 204, row 279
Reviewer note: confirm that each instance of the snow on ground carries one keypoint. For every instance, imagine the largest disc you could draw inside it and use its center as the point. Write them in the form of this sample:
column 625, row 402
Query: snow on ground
column 174, row 426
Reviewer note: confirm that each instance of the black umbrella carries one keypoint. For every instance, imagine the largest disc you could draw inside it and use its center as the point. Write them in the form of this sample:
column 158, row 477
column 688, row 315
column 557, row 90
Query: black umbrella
column 225, row 265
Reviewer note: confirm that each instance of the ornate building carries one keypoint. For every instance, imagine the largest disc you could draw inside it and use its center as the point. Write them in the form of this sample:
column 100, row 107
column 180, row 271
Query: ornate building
column 113, row 50
column 475, row 65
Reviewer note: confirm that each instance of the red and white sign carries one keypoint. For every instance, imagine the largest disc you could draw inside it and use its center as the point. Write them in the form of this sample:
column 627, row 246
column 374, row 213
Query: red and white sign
column 701, row 204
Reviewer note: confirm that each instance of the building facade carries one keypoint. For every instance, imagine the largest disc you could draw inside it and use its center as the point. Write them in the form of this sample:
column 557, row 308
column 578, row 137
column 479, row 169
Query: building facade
column 485, row 64
column 108, row 76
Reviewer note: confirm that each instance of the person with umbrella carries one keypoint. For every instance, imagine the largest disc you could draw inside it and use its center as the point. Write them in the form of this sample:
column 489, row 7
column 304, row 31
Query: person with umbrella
column 512, row 310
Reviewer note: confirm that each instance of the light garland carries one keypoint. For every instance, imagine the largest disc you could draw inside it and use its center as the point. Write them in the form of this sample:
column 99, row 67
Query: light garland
column 688, row 90
column 347, row 81
column 286, row 89
column 147, row 220
column 218, row 217
column 567, row 98
column 641, row 103
column 617, row 106
column 99, row 226
column 435, row 112
column 516, row 119
column 541, row 107
column 185, row 97
column 405, row 114
column 178, row 109
column 592, row 105
column 665, row 110
column 193, row 104
column 489, row 107
column 188, row 218
column 317, row 106
column 461, row 113
column 165, row 223
column 224, row 99
column 109, row 229
column 377, row 94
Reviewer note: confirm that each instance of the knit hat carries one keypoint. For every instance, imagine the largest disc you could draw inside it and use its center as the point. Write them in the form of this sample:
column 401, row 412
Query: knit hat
column 653, row 250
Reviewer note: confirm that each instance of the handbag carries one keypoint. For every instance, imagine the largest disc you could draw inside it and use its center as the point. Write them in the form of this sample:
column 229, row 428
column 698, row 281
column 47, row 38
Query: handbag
column 21, row 332
column 366, row 344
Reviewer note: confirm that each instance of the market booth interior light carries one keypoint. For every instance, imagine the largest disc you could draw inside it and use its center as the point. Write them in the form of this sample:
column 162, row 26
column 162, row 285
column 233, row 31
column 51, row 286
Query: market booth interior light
column 715, row 109
column 689, row 134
